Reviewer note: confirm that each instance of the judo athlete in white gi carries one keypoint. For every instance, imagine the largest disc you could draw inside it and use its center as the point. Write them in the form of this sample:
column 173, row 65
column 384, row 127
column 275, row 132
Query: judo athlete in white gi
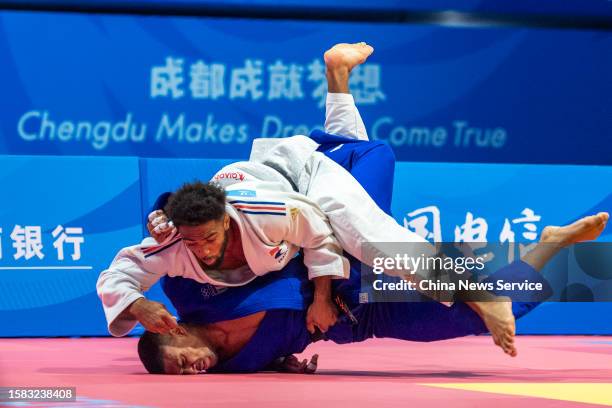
column 287, row 197
column 267, row 219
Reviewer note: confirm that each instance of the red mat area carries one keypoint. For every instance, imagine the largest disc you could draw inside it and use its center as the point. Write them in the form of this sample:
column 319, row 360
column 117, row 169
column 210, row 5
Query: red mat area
column 377, row 373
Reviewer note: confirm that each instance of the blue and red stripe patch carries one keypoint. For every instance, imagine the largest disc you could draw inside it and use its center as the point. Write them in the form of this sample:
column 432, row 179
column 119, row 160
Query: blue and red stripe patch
column 260, row 207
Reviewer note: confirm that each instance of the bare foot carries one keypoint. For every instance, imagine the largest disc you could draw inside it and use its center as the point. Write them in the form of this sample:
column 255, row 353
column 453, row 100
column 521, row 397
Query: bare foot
column 497, row 312
column 497, row 316
column 585, row 229
column 347, row 56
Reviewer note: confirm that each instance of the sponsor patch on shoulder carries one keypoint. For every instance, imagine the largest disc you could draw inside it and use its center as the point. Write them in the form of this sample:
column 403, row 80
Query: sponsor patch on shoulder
column 241, row 193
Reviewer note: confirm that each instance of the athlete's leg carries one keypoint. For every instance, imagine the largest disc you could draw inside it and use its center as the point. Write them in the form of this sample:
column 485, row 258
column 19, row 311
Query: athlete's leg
column 428, row 321
column 341, row 116
column 372, row 164
column 357, row 220
column 418, row 319
column 551, row 241
column 354, row 216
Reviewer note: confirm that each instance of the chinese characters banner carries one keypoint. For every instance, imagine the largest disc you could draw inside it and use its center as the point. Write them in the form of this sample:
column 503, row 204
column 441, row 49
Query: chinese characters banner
column 201, row 87
column 61, row 223
column 508, row 206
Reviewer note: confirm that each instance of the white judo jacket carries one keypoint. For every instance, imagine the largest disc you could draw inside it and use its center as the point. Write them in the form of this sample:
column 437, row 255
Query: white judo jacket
column 275, row 223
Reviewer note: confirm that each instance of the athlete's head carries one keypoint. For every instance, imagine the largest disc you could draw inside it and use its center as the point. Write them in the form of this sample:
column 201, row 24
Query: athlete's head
column 176, row 353
column 198, row 211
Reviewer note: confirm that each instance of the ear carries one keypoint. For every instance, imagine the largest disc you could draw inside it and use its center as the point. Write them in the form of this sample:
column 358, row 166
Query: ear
column 226, row 221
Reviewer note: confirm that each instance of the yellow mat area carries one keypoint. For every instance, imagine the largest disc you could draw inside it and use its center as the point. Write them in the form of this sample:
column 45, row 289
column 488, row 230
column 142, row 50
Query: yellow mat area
column 592, row 393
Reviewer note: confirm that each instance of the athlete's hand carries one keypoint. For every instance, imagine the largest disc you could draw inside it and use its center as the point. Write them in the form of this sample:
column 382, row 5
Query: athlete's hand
column 159, row 226
column 322, row 313
column 291, row 364
column 154, row 317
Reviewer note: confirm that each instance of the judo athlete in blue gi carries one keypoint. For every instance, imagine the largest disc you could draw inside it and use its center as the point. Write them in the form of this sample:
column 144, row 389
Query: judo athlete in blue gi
column 254, row 327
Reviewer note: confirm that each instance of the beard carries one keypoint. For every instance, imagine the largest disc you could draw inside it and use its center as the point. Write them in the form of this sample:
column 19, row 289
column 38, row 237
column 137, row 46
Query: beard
column 221, row 256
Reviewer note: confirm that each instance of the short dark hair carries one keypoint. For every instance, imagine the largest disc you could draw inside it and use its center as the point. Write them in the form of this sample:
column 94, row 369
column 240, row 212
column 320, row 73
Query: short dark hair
column 150, row 352
column 196, row 203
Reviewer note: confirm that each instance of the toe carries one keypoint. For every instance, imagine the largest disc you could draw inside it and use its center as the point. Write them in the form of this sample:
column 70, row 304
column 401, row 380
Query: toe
column 508, row 348
column 513, row 351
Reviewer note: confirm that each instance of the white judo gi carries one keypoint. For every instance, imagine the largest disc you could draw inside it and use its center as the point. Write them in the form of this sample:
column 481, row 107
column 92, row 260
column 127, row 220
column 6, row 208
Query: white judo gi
column 361, row 227
column 286, row 197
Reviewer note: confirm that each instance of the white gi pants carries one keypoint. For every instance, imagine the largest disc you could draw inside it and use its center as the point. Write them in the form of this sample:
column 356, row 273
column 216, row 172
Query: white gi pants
column 357, row 221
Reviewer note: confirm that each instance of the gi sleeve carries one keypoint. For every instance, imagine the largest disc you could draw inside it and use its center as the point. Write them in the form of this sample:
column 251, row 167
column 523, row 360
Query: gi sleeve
column 309, row 228
column 124, row 282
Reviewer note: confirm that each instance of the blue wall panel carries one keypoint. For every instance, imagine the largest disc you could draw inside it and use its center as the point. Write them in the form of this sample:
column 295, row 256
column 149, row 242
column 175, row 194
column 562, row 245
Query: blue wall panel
column 48, row 275
column 149, row 86
column 42, row 295
column 443, row 195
